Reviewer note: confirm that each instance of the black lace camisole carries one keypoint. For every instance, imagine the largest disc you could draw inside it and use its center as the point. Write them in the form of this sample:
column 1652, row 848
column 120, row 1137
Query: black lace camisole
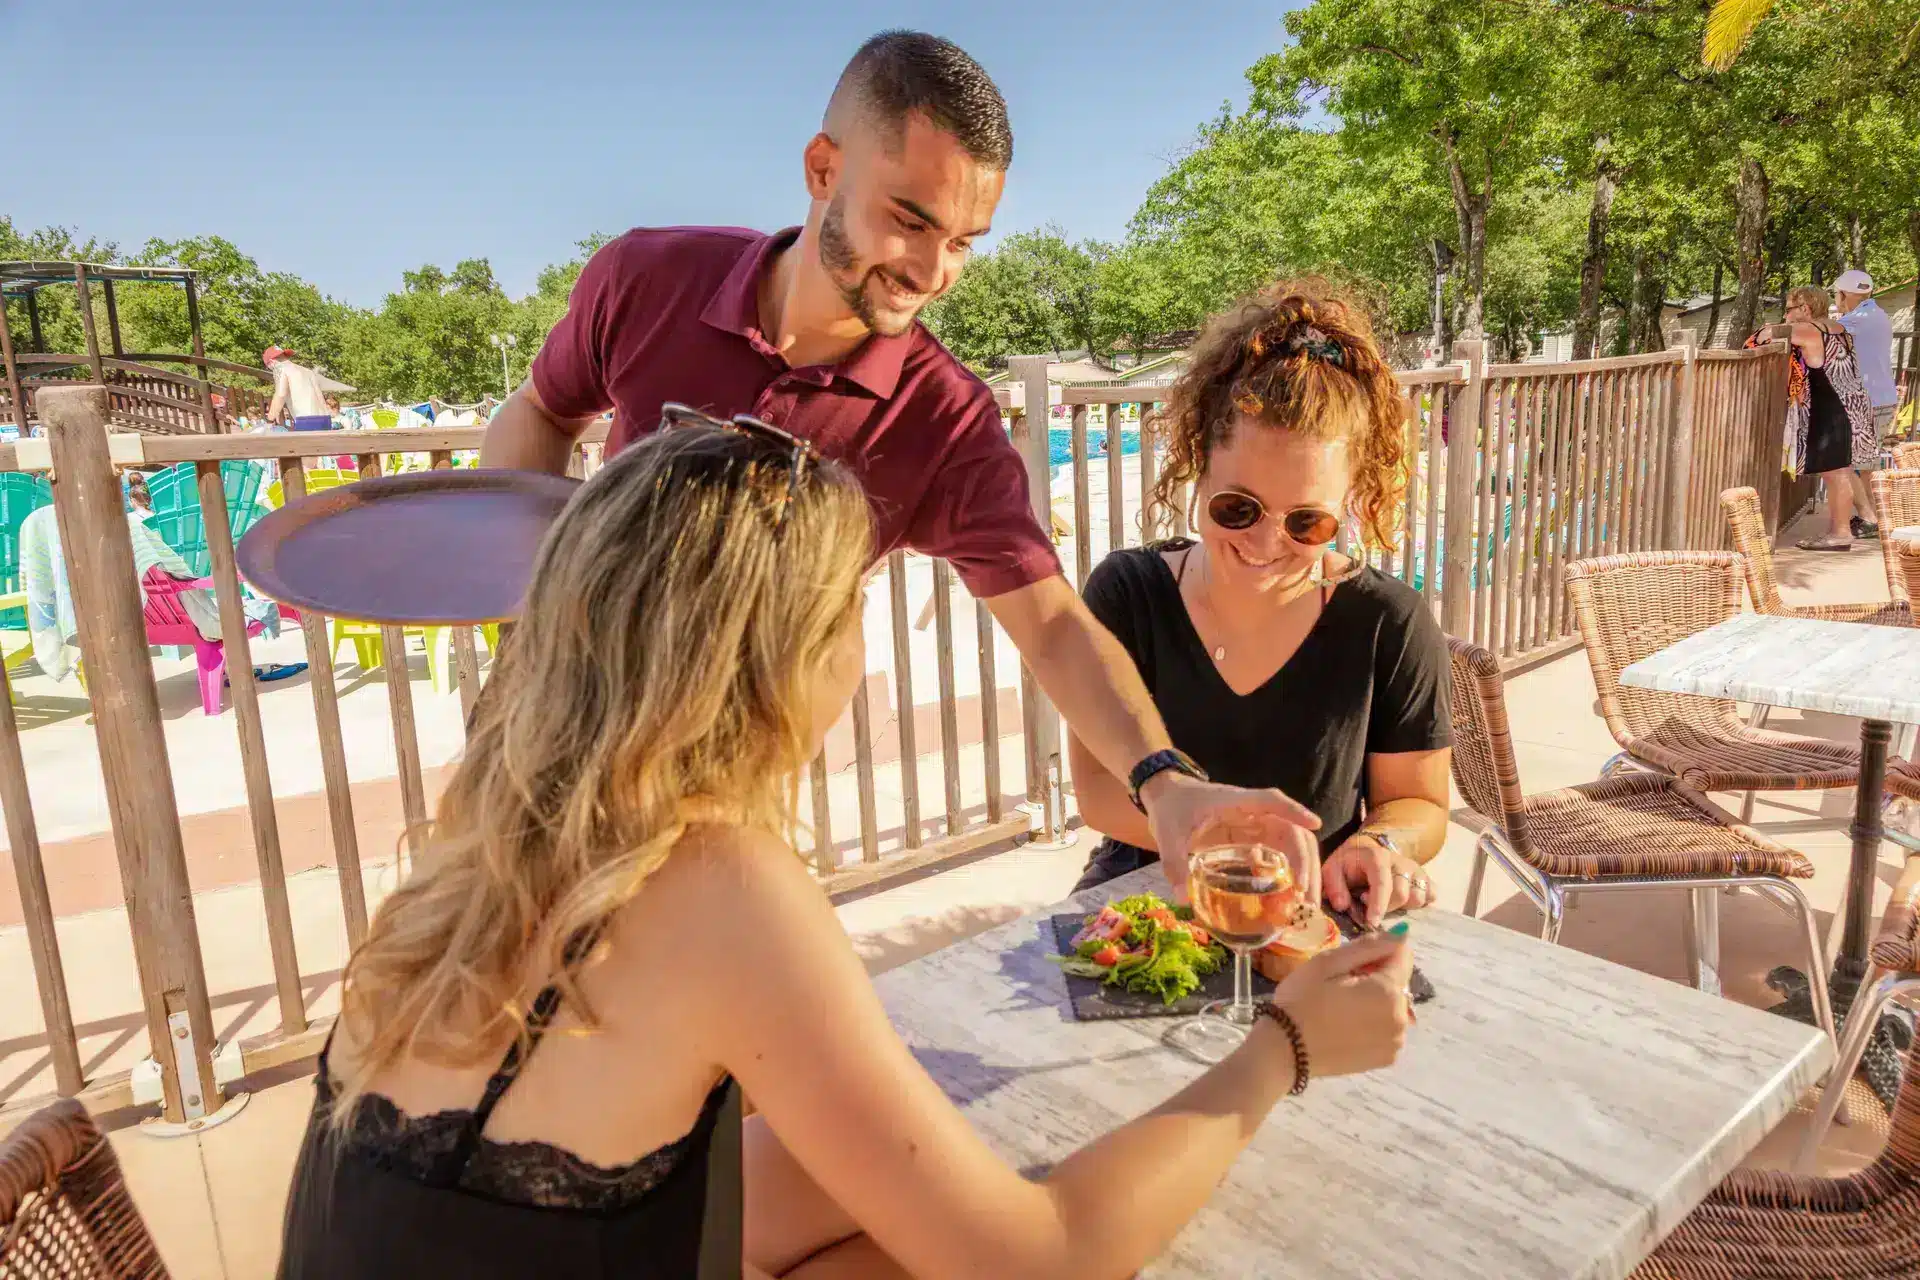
column 395, row 1196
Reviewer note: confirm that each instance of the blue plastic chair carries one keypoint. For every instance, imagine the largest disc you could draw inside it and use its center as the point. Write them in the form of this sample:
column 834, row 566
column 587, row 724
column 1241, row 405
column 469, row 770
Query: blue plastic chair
column 176, row 507
column 20, row 494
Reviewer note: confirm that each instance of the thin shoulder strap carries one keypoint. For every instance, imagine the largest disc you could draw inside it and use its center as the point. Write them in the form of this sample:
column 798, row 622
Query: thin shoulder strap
column 446, row 1173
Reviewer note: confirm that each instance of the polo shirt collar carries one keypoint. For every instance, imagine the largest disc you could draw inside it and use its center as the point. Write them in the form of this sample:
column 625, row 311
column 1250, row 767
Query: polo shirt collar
column 874, row 365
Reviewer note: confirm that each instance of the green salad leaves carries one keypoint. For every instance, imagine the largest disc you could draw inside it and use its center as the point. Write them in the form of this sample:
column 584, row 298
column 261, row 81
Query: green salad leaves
column 1146, row 945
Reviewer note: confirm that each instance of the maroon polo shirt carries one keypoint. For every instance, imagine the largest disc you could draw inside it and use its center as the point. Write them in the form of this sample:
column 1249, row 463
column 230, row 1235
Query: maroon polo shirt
column 673, row 314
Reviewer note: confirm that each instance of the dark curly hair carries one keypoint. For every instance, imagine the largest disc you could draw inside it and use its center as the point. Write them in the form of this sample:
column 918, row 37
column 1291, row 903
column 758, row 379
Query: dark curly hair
column 1297, row 356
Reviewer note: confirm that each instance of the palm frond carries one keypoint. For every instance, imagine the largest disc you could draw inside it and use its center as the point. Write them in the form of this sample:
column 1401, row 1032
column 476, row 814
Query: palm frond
column 1729, row 26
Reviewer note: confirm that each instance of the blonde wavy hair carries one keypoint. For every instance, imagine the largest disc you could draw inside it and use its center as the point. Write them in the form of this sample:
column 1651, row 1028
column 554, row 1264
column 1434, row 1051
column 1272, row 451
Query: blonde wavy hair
column 682, row 608
column 1297, row 356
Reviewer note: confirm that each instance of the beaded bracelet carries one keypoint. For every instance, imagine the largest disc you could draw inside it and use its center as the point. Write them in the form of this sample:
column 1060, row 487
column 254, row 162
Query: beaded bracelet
column 1284, row 1020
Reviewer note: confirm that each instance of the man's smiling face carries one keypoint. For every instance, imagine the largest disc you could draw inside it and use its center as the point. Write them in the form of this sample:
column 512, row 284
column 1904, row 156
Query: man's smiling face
column 898, row 214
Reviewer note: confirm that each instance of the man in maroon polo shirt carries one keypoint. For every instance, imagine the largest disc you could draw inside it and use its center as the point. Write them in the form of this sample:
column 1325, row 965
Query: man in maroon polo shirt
column 815, row 329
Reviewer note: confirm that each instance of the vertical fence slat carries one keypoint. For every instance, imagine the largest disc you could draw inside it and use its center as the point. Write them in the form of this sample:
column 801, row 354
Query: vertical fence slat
column 1560, row 496
column 863, row 773
column 1082, row 501
column 1590, row 427
column 825, row 860
column 1504, row 524
column 949, row 704
column 1526, row 560
column 989, row 708
column 1116, row 478
column 903, row 700
column 333, row 753
column 1149, row 526
column 1436, row 473
column 36, row 904
column 1463, row 443
column 406, row 738
column 90, row 510
column 218, row 529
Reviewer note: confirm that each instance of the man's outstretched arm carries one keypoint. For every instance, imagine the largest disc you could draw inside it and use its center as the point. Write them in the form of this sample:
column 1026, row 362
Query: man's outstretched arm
column 526, row 436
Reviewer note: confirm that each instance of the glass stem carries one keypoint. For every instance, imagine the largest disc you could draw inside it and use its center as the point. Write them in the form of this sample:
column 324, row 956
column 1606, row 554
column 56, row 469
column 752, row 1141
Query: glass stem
column 1242, row 987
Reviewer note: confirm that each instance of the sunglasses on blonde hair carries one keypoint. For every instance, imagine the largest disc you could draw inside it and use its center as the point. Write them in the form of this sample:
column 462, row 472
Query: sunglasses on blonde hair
column 1307, row 525
column 673, row 414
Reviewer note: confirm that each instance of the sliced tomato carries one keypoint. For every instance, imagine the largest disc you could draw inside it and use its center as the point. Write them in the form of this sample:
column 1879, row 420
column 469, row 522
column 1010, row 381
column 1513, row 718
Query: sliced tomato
column 1164, row 918
column 1200, row 936
column 1107, row 956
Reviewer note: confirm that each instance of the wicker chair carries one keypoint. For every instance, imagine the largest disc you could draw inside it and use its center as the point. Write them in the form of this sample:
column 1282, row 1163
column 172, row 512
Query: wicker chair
column 1630, row 607
column 1751, row 540
column 1906, row 558
column 1897, row 494
column 1631, row 831
column 1893, row 971
column 64, row 1210
column 1768, row 1225
column 1907, row 455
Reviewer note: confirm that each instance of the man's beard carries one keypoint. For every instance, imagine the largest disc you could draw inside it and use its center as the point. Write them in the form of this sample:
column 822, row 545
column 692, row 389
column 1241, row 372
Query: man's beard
column 839, row 260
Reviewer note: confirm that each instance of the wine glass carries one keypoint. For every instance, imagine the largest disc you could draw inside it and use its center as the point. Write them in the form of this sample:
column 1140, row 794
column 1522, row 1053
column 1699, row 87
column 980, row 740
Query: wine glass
column 1244, row 894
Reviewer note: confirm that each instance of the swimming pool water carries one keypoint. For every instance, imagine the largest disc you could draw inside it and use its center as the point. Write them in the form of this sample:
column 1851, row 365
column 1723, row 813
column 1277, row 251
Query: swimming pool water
column 1060, row 443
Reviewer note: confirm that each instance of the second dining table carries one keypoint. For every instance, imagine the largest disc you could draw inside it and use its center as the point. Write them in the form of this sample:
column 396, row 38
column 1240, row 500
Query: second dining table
column 1553, row 1114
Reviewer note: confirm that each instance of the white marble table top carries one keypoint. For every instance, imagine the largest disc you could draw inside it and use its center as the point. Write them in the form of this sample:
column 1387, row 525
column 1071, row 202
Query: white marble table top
column 1553, row 1115
column 1847, row 668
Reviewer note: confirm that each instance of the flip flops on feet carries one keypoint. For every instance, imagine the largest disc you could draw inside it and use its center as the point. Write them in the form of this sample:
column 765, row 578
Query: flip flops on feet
column 1825, row 544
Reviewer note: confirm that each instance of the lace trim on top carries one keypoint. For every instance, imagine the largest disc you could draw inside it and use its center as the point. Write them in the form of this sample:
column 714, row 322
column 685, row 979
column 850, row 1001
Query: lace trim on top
column 536, row 1174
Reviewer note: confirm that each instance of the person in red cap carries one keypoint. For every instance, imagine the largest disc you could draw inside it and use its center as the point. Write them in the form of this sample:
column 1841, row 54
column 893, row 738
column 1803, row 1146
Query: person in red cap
column 297, row 393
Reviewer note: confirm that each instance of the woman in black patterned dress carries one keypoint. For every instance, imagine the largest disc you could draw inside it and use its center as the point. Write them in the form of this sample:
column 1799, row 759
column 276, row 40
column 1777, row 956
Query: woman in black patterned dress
column 1831, row 432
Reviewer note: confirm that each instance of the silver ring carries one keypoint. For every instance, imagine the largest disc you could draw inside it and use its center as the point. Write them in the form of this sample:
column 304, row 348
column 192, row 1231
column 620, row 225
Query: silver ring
column 1401, row 875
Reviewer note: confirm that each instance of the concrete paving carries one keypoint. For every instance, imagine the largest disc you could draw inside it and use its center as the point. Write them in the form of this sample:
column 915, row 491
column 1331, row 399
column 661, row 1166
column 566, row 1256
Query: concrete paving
column 215, row 1199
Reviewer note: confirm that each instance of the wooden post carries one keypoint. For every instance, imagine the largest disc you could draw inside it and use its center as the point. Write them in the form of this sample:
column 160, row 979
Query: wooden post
column 253, row 748
column 133, row 747
column 33, row 323
column 333, row 752
column 43, row 942
column 904, row 725
column 1042, row 720
column 14, row 389
column 209, row 419
column 406, row 739
column 1463, row 444
column 87, row 326
column 113, row 319
column 1679, row 461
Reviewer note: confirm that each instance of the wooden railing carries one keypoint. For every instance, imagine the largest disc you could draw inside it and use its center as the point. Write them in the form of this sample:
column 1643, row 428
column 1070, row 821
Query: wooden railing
column 1515, row 471
column 146, row 397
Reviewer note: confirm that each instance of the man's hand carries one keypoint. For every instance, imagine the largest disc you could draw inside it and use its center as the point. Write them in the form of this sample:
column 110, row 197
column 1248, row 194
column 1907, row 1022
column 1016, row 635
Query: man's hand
column 1186, row 814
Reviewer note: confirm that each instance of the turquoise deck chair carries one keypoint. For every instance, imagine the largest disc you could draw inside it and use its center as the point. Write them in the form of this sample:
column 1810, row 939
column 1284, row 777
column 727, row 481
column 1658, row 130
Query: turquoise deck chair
column 176, row 507
column 20, row 494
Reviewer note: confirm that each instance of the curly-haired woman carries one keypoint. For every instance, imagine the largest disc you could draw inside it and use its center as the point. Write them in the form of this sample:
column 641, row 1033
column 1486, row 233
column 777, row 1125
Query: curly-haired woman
column 1275, row 660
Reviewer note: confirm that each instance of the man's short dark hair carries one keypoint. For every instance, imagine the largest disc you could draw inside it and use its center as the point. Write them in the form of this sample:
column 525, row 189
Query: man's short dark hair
column 897, row 73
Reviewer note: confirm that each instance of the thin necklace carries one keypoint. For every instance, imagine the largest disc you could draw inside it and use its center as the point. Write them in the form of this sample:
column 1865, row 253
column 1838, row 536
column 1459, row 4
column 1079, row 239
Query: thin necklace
column 1308, row 582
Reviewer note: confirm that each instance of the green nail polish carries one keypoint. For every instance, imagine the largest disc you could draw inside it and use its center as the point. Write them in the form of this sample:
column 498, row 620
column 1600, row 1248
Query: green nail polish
column 1399, row 929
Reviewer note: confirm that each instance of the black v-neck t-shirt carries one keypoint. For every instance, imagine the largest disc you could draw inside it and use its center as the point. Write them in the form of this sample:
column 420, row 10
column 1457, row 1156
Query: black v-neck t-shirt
column 1369, row 678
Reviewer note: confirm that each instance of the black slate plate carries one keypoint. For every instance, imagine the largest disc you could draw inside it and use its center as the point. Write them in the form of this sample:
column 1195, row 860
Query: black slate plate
column 1093, row 1000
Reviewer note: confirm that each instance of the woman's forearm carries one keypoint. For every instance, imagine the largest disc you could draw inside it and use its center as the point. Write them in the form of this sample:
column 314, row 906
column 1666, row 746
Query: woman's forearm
column 1170, row 1160
column 1415, row 816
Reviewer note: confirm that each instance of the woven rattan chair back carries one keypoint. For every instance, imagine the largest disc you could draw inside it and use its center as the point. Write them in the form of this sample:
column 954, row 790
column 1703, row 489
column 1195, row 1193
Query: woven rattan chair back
column 1906, row 560
column 1484, row 765
column 1632, row 606
column 65, row 1213
column 1750, row 539
column 1897, row 495
column 1907, row 455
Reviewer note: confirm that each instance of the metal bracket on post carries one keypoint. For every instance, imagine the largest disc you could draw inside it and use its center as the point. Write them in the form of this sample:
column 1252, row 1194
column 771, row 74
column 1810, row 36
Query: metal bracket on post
column 227, row 1067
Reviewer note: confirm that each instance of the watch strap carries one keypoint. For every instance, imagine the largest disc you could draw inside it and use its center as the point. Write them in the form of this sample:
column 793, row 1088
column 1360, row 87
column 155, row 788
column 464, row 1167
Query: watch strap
column 1157, row 763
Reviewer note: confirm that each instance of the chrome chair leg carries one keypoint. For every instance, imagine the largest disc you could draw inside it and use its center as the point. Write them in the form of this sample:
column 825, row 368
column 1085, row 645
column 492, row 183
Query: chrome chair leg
column 1703, row 909
column 1868, row 1005
column 1479, row 876
column 1553, row 909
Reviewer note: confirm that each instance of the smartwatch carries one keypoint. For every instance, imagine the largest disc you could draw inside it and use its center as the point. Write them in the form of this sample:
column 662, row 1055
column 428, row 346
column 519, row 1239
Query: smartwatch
column 1156, row 764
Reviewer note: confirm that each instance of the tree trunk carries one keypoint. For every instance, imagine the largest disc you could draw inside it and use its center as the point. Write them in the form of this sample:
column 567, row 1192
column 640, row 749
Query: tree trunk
column 1749, row 235
column 1913, row 343
column 1635, row 319
column 1470, row 211
column 1652, row 303
column 1593, row 267
column 1713, row 312
column 1856, row 243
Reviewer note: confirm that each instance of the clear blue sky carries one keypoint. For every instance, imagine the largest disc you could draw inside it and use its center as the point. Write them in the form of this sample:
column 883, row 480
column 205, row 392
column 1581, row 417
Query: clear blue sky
column 347, row 141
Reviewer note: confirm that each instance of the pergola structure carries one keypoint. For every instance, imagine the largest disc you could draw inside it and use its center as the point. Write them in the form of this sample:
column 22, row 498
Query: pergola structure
column 141, row 396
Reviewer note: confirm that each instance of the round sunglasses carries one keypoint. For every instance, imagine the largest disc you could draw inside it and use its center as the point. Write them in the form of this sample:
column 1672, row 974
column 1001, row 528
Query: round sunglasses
column 1308, row 526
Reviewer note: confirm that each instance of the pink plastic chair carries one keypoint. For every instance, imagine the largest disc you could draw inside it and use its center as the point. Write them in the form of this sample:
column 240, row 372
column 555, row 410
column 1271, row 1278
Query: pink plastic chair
column 168, row 623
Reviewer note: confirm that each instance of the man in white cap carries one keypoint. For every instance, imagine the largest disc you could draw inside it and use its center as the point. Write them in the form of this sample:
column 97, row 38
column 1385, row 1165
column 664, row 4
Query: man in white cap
column 1872, row 332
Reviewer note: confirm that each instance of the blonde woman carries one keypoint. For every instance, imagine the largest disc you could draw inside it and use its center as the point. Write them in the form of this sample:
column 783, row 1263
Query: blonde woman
column 543, row 1037
column 1830, row 431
